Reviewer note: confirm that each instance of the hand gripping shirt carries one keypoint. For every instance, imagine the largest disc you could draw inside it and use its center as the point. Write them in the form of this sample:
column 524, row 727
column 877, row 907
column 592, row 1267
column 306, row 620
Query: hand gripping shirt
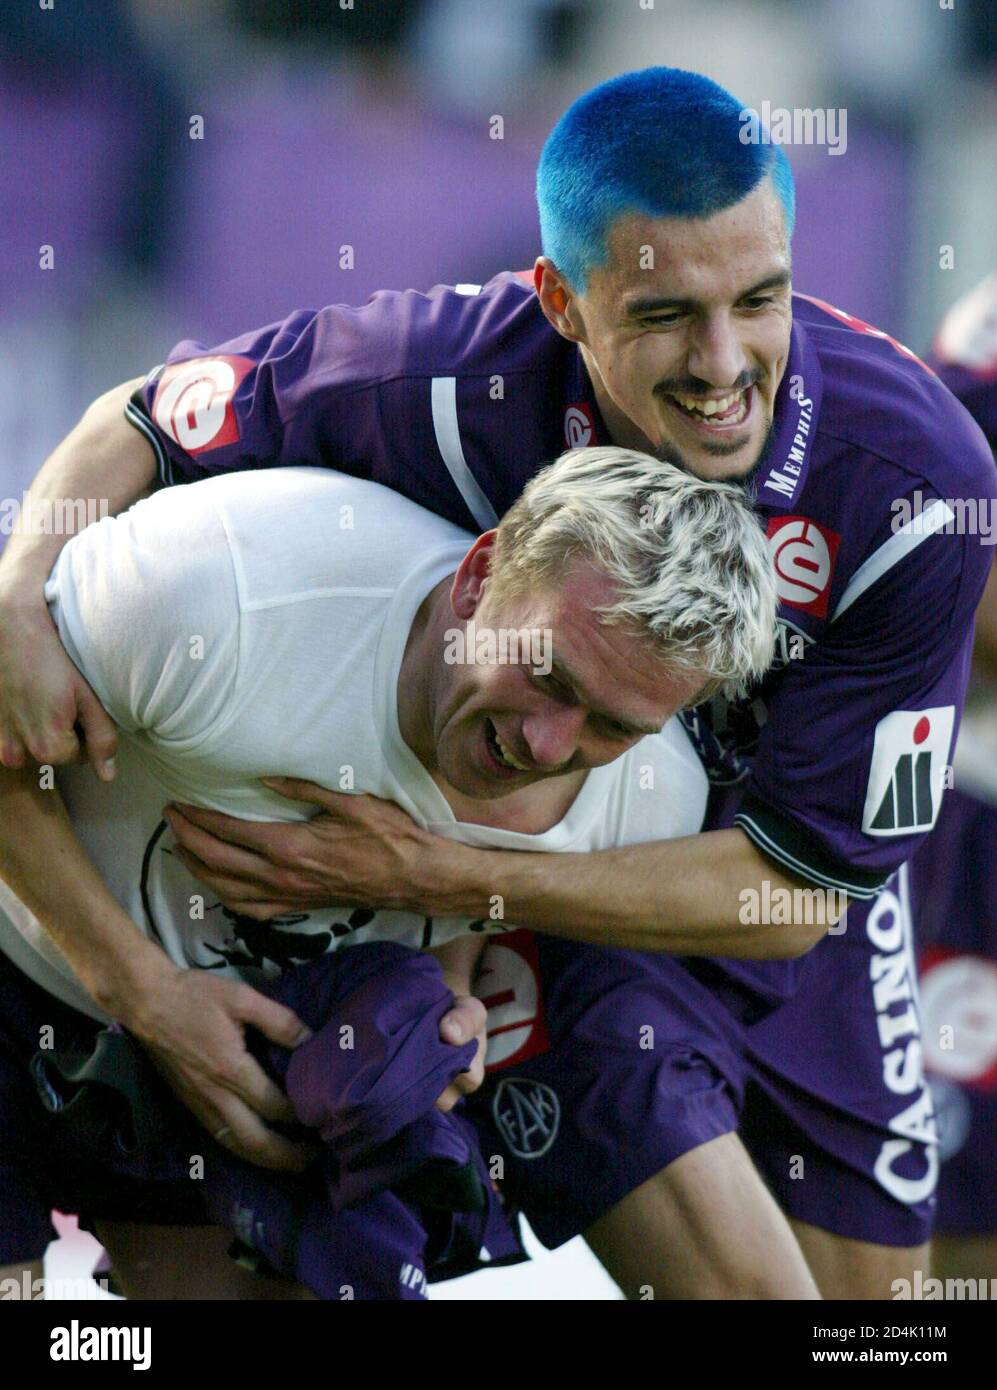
column 456, row 397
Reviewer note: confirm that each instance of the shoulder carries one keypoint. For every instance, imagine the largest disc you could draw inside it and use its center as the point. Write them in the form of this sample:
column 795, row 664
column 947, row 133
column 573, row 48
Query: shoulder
column 444, row 330
column 881, row 399
column 163, row 544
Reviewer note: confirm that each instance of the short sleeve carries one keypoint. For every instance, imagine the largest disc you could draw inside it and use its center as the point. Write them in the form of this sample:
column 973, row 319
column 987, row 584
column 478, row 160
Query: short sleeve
column 857, row 746
column 265, row 398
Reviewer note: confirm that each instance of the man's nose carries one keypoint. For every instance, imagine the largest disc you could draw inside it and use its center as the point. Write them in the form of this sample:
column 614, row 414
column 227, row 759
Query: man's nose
column 715, row 352
column 552, row 736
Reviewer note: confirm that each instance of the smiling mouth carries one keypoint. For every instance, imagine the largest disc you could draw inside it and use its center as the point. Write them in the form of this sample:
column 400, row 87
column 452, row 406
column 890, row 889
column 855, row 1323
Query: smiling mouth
column 726, row 412
column 500, row 753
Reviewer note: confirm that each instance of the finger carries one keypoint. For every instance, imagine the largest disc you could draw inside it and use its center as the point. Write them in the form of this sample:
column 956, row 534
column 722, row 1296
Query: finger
column 254, row 1088
column 448, row 1099
column 217, row 854
column 234, row 1124
column 467, row 1082
column 275, row 1021
column 231, row 890
column 298, row 789
column 99, row 733
column 466, row 1019
column 252, row 1140
column 266, row 912
column 13, row 754
column 54, row 746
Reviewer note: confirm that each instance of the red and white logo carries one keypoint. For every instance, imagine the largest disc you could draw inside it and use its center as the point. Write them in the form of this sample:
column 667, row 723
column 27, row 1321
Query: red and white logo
column 193, row 402
column 803, row 553
column 907, row 776
column 959, row 1013
column 579, row 426
column 509, row 987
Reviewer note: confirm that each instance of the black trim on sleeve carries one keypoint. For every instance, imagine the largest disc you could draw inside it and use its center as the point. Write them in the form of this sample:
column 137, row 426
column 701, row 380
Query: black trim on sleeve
column 137, row 415
column 782, row 840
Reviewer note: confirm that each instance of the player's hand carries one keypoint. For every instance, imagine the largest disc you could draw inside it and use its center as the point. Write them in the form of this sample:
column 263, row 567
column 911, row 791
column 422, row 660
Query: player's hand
column 466, row 1020
column 192, row 1025
column 360, row 852
column 46, row 707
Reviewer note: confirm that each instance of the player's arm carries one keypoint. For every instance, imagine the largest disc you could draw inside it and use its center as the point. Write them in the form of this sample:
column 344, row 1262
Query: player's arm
column 683, row 896
column 691, row 896
column 302, row 391
column 183, row 1019
column 42, row 694
column 883, row 686
column 115, row 605
column 698, row 895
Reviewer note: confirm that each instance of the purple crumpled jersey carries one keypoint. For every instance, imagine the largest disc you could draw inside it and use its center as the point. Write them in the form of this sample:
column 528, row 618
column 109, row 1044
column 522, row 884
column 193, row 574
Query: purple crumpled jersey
column 400, row 1195
column 369, row 1078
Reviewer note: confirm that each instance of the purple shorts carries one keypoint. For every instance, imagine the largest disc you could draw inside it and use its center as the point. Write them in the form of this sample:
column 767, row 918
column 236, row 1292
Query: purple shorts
column 644, row 1058
column 955, row 874
column 41, row 1169
column 650, row 1057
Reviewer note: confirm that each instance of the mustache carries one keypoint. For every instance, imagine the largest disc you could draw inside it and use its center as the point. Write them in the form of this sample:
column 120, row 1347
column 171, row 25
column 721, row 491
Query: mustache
column 693, row 386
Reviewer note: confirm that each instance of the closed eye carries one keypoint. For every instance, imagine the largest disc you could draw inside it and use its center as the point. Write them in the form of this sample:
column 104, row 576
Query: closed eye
column 617, row 730
column 550, row 685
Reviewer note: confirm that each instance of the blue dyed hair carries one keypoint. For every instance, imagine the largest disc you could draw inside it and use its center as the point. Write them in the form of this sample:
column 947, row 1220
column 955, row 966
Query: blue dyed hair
column 662, row 142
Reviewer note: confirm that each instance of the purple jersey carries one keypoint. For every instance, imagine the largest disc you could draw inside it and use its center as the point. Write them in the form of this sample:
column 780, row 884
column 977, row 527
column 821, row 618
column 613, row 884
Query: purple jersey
column 456, row 398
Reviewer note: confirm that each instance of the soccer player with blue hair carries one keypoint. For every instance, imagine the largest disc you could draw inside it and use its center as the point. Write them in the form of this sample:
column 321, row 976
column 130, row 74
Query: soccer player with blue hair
column 661, row 318
column 643, row 149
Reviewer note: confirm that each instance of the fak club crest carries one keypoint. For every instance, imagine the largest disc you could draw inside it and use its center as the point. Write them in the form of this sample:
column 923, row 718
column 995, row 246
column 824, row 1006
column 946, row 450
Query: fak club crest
column 527, row 1114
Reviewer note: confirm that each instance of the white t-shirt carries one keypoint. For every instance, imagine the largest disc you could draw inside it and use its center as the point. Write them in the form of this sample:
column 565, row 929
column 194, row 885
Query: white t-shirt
column 253, row 625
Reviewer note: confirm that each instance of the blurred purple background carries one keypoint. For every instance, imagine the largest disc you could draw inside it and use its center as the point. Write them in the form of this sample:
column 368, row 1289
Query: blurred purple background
column 372, row 128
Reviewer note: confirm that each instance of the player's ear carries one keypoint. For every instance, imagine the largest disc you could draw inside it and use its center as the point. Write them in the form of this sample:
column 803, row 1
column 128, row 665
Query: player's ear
column 557, row 300
column 465, row 591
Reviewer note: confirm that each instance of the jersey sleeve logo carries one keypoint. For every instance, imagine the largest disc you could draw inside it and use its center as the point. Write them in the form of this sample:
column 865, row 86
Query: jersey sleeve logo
column 907, row 777
column 803, row 554
column 193, row 404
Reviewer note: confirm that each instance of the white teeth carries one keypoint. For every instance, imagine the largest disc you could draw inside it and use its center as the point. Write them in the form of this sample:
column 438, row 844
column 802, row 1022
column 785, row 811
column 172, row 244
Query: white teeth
column 507, row 757
column 709, row 408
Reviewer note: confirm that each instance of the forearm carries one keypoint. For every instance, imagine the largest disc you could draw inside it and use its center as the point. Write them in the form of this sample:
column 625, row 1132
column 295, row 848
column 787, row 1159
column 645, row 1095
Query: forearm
column 103, row 461
column 43, row 862
column 683, row 896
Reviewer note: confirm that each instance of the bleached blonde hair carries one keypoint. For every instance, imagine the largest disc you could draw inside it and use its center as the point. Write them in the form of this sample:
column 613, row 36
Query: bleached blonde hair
column 689, row 559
